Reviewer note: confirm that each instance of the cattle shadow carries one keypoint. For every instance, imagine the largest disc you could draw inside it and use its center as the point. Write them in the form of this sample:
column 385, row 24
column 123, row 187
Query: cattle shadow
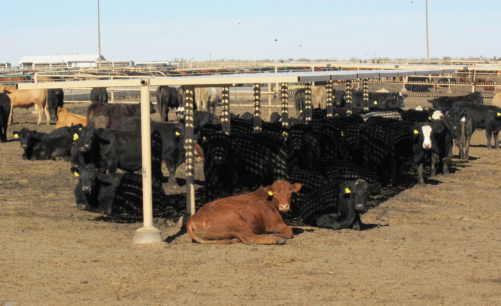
column 182, row 182
column 369, row 226
column 180, row 233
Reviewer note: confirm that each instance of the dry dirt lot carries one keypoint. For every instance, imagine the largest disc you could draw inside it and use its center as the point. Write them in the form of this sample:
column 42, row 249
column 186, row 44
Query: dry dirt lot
column 427, row 246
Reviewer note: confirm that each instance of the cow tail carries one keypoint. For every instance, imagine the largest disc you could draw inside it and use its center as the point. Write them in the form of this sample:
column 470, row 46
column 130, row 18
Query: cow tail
column 190, row 227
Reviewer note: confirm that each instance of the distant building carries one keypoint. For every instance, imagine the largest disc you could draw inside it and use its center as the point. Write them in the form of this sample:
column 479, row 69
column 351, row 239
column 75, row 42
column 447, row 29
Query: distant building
column 63, row 61
column 156, row 64
column 114, row 64
column 5, row 65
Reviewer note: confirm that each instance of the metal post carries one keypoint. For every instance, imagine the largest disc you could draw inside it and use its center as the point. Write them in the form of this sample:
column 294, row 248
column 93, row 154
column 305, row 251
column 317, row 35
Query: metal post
column 474, row 81
column 113, row 93
column 427, row 44
column 190, row 166
column 269, row 98
column 349, row 105
column 307, row 103
column 99, row 33
column 257, row 107
column 330, row 106
column 285, row 105
column 366, row 94
column 148, row 233
column 225, row 104
column 435, row 89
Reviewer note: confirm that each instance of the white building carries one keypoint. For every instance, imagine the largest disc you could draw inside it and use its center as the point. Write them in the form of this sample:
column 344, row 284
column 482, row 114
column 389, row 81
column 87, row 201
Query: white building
column 66, row 61
column 5, row 65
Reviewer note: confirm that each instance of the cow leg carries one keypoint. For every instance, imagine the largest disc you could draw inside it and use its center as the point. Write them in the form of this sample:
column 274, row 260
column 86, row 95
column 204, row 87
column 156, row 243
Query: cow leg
column 11, row 119
column 496, row 142
column 357, row 224
column 420, row 174
column 467, row 147
column 47, row 113
column 283, row 231
column 433, row 169
column 488, row 133
column 248, row 237
column 331, row 221
column 445, row 166
column 172, row 173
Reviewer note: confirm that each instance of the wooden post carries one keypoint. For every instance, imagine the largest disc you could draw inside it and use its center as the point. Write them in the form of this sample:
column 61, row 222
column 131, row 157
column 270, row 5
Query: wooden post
column 257, row 107
column 435, row 89
column 148, row 233
column 225, row 105
column 366, row 94
column 330, row 106
column 190, row 166
column 349, row 104
column 307, row 104
column 285, row 105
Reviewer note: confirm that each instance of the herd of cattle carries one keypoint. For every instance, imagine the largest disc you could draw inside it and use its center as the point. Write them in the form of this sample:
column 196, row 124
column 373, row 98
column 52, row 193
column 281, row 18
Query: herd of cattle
column 321, row 169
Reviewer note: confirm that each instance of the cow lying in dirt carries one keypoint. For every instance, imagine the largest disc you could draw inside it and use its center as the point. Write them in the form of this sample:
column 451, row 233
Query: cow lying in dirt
column 64, row 118
column 245, row 217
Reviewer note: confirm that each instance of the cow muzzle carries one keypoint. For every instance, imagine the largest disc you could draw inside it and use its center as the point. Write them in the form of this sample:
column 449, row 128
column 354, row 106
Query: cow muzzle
column 284, row 207
column 360, row 206
column 86, row 189
column 427, row 146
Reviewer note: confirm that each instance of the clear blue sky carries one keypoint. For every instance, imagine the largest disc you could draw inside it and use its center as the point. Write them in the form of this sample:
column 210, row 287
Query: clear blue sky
column 163, row 30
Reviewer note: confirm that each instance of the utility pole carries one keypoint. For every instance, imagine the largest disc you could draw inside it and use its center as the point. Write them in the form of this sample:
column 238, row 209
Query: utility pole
column 99, row 33
column 427, row 43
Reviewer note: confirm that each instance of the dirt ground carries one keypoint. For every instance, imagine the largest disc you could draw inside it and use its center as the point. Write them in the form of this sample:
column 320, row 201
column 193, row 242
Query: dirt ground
column 427, row 246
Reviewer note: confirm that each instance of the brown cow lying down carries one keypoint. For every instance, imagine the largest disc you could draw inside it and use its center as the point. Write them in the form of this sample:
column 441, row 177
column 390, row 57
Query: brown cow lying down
column 68, row 119
column 245, row 217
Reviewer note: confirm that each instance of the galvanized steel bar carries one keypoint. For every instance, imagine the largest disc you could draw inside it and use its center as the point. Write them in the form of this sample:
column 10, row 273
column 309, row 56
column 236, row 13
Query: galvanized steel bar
column 330, row 102
column 366, row 94
column 308, row 111
column 225, row 105
column 190, row 166
column 285, row 104
column 349, row 104
column 257, row 107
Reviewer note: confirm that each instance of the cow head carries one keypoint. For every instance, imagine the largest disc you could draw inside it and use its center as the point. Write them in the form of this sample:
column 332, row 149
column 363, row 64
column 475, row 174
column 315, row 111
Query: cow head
column 86, row 135
column 280, row 193
column 423, row 133
column 180, row 112
column 357, row 193
column 87, row 175
column 26, row 137
column 218, row 148
column 339, row 98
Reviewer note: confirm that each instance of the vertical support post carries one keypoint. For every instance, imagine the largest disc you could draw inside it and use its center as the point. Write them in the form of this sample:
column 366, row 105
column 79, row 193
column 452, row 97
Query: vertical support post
column 225, row 104
column 405, row 81
column 435, row 89
column 269, row 98
column 366, row 94
column 474, row 82
column 148, row 233
column 113, row 93
column 349, row 104
column 449, row 87
column 285, row 105
column 190, row 166
column 257, row 107
column 307, row 103
column 330, row 105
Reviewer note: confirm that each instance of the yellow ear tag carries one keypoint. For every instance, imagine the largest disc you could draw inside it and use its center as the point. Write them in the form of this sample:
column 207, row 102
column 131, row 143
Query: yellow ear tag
column 270, row 193
column 285, row 134
column 75, row 136
column 416, row 132
column 177, row 133
column 342, row 133
column 333, row 97
column 205, row 139
column 429, row 117
column 76, row 174
column 301, row 111
column 80, row 129
column 375, row 102
column 347, row 190
column 499, row 114
column 16, row 136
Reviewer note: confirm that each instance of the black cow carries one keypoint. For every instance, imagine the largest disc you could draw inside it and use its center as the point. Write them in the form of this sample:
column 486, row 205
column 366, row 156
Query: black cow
column 446, row 80
column 167, row 98
column 418, row 88
column 115, row 149
column 98, row 95
column 250, row 161
column 39, row 146
column 340, row 171
column 463, row 128
column 299, row 101
column 172, row 142
column 414, row 116
column 486, row 117
column 115, row 193
column 339, row 98
column 104, row 115
column 303, row 148
column 247, row 116
column 55, row 98
column 433, row 139
column 378, row 99
column 448, row 102
column 4, row 116
column 337, row 206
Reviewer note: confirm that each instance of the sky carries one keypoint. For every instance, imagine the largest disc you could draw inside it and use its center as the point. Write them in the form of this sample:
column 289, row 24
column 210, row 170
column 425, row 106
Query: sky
column 156, row 30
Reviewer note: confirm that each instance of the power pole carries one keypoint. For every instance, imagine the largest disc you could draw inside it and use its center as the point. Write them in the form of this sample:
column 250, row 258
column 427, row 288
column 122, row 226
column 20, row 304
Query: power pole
column 427, row 43
column 99, row 33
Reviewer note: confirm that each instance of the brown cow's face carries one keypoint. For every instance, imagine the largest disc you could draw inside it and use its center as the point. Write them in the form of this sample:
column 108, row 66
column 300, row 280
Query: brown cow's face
column 281, row 193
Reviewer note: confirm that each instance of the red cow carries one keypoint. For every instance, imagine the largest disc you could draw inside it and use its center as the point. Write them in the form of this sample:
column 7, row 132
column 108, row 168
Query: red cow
column 245, row 217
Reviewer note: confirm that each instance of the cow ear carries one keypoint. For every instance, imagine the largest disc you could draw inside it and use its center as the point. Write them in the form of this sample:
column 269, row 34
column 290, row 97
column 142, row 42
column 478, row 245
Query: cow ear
column 103, row 178
column 374, row 188
column 296, row 187
column 33, row 133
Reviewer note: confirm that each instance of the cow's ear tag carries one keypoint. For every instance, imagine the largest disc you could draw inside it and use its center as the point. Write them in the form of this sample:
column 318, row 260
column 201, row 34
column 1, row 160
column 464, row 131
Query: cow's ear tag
column 429, row 117
column 375, row 102
column 16, row 135
column 205, row 139
column 285, row 133
column 342, row 133
column 177, row 133
column 333, row 97
column 499, row 114
column 300, row 111
column 79, row 129
column 75, row 136
column 76, row 174
column 416, row 132
column 270, row 193
column 347, row 190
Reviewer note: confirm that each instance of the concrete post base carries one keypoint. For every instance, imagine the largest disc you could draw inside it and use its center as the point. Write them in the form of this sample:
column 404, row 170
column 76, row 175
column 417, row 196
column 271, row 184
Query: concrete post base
column 147, row 235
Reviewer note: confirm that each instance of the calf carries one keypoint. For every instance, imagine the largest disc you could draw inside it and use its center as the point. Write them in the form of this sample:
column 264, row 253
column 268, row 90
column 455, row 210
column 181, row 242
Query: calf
column 116, row 149
column 486, row 117
column 104, row 115
column 38, row 146
column 245, row 217
column 64, row 118
column 4, row 115
column 115, row 193
column 337, row 206
column 448, row 102
column 462, row 129
column 172, row 142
